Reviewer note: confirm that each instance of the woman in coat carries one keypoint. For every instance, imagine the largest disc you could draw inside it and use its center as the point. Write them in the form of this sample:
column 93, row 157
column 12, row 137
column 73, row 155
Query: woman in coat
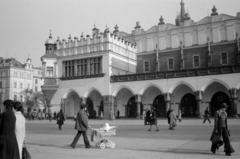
column 8, row 142
column 153, row 119
column 221, row 128
column 60, row 119
column 19, row 126
column 173, row 119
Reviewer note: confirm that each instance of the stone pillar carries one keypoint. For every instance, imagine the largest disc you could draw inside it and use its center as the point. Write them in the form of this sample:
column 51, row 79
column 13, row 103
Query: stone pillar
column 108, row 104
column 138, row 100
column 198, row 95
column 63, row 105
column 234, row 98
column 55, row 69
column 44, row 68
column 167, row 100
column 75, row 68
column 63, row 69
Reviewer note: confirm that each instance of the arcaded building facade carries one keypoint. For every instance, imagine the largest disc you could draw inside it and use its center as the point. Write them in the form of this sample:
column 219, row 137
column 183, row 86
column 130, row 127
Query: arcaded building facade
column 187, row 65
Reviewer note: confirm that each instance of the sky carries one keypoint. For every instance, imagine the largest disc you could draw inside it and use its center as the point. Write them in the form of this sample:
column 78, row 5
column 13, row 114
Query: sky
column 26, row 24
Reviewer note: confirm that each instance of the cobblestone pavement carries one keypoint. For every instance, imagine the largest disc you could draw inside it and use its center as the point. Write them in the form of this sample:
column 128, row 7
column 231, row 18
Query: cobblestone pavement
column 190, row 140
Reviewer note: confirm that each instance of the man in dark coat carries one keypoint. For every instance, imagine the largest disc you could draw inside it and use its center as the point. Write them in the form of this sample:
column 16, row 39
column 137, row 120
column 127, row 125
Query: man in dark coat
column 60, row 119
column 81, row 126
column 8, row 141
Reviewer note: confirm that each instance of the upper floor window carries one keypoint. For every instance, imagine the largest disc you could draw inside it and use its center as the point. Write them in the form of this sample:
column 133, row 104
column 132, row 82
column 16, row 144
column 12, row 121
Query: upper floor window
column 36, row 89
column 36, row 81
column 21, row 75
column 28, row 86
column 50, row 71
column 146, row 66
column 170, row 64
column 29, row 76
column 15, row 84
column 0, row 84
column 15, row 74
column 21, row 85
column 224, row 58
column 15, row 97
column 21, row 98
column 196, row 61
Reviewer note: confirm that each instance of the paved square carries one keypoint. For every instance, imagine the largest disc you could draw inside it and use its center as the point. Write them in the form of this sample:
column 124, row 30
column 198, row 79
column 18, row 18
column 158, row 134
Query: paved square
column 190, row 140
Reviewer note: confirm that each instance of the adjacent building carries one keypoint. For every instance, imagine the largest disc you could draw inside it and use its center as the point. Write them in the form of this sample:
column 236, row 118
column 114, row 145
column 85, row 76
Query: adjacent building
column 187, row 66
column 15, row 77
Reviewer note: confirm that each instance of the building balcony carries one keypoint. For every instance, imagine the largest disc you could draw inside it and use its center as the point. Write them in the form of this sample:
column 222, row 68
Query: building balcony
column 50, row 83
column 176, row 74
column 82, row 77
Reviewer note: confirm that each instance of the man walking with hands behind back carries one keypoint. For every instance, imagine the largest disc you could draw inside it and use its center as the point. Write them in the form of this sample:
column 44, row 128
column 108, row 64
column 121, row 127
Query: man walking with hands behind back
column 81, row 126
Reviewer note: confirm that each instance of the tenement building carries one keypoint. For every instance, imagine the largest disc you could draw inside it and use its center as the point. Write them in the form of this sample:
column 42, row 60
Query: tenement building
column 187, row 66
column 15, row 77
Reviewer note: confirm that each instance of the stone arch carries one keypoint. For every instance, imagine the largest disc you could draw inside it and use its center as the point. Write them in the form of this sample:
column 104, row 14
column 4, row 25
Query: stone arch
column 120, row 88
column 65, row 95
column 91, row 90
column 212, row 81
column 148, row 86
column 178, row 84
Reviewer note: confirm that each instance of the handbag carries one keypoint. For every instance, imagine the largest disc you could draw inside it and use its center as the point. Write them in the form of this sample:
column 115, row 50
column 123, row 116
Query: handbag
column 217, row 139
column 25, row 153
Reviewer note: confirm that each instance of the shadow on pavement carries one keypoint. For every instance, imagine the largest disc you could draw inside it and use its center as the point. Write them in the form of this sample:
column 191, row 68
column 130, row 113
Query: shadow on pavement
column 62, row 146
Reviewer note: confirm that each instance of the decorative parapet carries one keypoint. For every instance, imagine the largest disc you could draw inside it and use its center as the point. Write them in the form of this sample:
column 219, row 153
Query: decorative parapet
column 176, row 74
column 82, row 77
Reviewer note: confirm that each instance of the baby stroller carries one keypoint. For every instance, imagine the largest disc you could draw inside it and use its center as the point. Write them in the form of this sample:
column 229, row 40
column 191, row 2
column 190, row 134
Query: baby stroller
column 104, row 136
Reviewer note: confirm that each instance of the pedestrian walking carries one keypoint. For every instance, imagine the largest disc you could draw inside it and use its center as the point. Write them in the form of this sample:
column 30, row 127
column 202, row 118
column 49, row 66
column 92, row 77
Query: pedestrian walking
column 8, row 141
column 173, row 119
column 168, row 117
column 19, row 126
column 144, row 117
column 60, row 119
column 54, row 115
column 50, row 115
column 148, row 116
column 81, row 125
column 101, row 115
column 153, row 119
column 39, row 114
column 111, row 115
column 179, row 115
column 118, row 114
column 206, row 116
column 221, row 129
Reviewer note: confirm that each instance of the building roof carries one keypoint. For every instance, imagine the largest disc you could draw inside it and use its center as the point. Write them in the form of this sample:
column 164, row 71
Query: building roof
column 49, row 56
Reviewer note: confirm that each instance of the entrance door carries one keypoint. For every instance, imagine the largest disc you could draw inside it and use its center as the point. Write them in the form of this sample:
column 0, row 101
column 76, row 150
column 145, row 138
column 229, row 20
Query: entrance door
column 90, row 107
column 160, row 106
column 131, row 108
column 189, row 105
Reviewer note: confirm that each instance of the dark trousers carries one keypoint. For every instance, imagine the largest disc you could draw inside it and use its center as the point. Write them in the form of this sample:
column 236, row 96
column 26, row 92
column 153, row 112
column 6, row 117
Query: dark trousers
column 227, row 145
column 85, row 139
column 206, row 118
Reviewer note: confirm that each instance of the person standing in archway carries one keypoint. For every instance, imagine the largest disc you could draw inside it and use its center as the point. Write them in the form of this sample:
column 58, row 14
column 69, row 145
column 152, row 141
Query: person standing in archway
column 81, row 125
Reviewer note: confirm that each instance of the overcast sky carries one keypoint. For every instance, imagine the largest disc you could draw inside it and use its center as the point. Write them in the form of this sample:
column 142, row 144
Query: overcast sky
column 25, row 24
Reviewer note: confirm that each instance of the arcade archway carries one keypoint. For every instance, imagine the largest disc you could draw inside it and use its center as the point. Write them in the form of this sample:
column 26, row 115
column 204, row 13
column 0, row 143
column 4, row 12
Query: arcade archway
column 188, row 105
column 160, row 106
column 72, row 104
column 216, row 102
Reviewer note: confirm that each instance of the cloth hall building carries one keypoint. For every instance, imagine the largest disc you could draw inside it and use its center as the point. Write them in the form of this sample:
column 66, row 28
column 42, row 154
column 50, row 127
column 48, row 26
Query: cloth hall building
column 187, row 65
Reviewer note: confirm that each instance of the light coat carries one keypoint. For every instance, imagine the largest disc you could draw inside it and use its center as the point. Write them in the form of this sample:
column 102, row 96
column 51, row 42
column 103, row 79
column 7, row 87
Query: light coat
column 173, row 118
column 20, row 130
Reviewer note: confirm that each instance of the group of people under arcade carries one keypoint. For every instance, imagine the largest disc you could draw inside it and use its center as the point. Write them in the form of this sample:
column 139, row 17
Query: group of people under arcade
column 12, row 127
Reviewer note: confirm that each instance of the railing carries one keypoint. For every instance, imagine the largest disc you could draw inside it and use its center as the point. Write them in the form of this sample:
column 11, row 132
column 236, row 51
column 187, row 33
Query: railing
column 82, row 77
column 176, row 74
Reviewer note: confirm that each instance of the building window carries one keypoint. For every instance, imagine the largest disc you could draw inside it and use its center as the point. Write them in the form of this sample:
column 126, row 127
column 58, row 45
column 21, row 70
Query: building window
column 21, row 75
column 36, row 81
column 170, row 64
column 0, row 84
column 15, row 84
column 50, row 71
column 146, row 66
column 36, row 89
column 21, row 85
column 196, row 62
column 28, row 86
column 15, row 97
column 29, row 76
column 224, row 58
column 21, row 98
